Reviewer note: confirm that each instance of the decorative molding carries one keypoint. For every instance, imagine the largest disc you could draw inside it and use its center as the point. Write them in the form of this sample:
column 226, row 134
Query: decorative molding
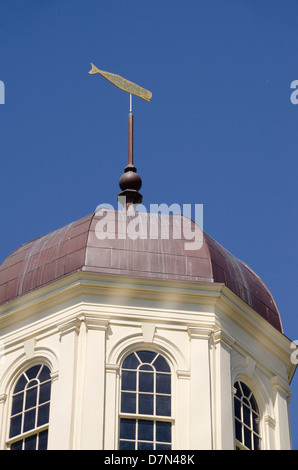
column 70, row 327
column 183, row 374
column 94, row 322
column 112, row 368
column 54, row 375
column 148, row 330
column 200, row 332
column 250, row 365
column 270, row 421
column 224, row 338
column 29, row 346
column 281, row 386
column 162, row 344
column 3, row 398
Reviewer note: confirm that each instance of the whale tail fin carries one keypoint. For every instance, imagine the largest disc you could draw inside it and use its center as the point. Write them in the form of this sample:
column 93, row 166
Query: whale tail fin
column 93, row 69
column 122, row 83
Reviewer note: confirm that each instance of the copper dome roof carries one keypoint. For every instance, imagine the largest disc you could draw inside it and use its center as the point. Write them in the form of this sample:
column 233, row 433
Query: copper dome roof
column 76, row 247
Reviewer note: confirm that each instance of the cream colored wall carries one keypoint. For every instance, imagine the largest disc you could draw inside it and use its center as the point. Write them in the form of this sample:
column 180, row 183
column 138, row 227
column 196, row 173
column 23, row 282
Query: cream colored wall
column 83, row 326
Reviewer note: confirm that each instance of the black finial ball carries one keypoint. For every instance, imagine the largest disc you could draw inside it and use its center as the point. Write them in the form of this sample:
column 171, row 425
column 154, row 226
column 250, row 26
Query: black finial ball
column 130, row 179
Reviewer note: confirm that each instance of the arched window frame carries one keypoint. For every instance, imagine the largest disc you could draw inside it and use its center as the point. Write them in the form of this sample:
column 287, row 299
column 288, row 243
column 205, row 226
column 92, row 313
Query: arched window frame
column 246, row 418
column 37, row 385
column 140, row 417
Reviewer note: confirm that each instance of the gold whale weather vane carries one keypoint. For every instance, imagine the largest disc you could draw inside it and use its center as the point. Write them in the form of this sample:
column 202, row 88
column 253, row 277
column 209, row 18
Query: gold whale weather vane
column 130, row 182
column 123, row 84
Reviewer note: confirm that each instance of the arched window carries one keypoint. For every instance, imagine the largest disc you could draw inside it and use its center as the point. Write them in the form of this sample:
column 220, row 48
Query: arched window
column 247, row 418
column 145, row 409
column 29, row 419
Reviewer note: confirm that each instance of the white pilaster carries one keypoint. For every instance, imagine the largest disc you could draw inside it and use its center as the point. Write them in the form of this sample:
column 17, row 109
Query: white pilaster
column 222, row 392
column 62, row 414
column 269, row 437
column 92, row 421
column 112, row 408
column 282, row 430
column 182, row 411
column 200, row 392
column 3, row 423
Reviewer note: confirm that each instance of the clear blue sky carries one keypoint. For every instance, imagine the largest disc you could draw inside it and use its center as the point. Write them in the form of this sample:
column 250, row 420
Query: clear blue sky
column 220, row 129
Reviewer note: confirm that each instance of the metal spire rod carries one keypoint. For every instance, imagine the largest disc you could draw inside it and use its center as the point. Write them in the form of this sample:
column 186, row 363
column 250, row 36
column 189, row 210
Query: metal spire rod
column 130, row 134
column 130, row 182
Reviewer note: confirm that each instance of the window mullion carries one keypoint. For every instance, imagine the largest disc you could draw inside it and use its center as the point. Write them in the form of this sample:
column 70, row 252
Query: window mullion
column 24, row 409
column 137, row 391
column 242, row 421
column 137, row 434
column 26, row 434
column 154, row 392
column 36, row 409
column 247, row 418
column 31, row 392
column 144, row 399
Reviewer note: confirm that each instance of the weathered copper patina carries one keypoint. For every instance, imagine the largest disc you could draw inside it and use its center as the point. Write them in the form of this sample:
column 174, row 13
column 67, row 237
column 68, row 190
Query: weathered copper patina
column 76, row 247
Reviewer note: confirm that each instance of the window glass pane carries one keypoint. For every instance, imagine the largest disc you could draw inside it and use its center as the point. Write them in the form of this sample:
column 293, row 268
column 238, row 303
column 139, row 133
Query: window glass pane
column 145, row 404
column 238, row 428
column 44, row 374
column 145, row 376
column 237, row 407
column 17, row 445
column 32, row 372
column 127, row 429
column 43, row 414
column 17, row 404
column 26, row 414
column 163, row 431
column 163, row 383
column 146, row 356
column 245, row 389
column 238, row 392
column 43, row 440
column 32, row 383
column 45, row 392
column 246, row 401
column 163, row 447
column 161, row 364
column 131, row 362
column 146, row 382
column 247, row 437
column 255, row 419
column 15, row 426
column 31, row 396
column 163, row 405
column 29, row 420
column 30, row 442
column 126, row 445
column 128, row 402
column 146, row 367
column 20, row 384
column 256, row 443
column 246, row 415
column 254, row 404
column 145, row 430
column 145, row 445
column 129, row 380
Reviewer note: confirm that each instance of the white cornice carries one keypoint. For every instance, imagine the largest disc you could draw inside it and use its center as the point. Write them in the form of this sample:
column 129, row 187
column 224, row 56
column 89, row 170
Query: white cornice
column 164, row 295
